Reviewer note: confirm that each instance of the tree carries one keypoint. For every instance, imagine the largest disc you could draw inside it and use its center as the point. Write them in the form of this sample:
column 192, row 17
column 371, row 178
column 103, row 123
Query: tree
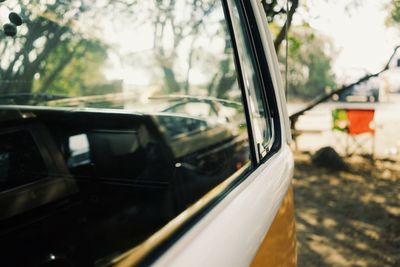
column 182, row 27
column 72, row 68
column 170, row 27
column 47, row 43
column 225, row 77
column 280, row 10
column 179, row 40
column 309, row 71
column 394, row 12
column 53, row 46
column 309, row 54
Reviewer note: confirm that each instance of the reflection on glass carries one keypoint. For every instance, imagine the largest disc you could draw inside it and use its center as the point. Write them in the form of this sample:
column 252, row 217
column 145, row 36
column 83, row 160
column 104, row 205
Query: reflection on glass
column 20, row 160
column 87, row 48
column 136, row 102
column 79, row 150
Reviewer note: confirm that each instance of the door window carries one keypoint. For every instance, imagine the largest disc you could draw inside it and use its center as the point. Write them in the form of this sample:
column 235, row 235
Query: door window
column 20, row 160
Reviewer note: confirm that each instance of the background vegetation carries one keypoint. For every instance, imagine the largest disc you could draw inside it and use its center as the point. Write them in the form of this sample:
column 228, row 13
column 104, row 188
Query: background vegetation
column 51, row 54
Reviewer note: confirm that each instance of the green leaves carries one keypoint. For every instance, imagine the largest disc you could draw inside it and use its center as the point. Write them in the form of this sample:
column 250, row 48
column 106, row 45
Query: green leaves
column 310, row 61
column 394, row 7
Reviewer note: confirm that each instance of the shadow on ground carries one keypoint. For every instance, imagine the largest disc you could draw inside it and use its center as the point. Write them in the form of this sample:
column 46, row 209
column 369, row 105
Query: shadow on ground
column 348, row 218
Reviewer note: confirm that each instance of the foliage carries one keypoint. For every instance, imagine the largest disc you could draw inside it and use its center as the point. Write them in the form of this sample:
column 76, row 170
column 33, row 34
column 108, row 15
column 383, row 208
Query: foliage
column 309, row 55
column 224, row 77
column 72, row 68
column 280, row 10
column 309, row 67
column 184, row 28
column 394, row 12
column 60, row 49
column 48, row 46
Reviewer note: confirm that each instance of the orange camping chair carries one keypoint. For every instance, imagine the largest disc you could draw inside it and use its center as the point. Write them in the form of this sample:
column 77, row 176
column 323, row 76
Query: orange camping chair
column 358, row 126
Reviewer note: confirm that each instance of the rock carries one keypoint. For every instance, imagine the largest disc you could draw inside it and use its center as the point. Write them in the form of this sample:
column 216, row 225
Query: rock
column 328, row 158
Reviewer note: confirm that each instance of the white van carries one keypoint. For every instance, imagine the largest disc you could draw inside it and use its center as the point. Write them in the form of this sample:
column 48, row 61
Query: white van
column 137, row 133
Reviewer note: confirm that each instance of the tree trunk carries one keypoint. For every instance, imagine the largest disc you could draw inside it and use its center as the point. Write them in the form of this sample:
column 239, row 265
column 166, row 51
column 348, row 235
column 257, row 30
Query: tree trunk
column 170, row 80
column 282, row 33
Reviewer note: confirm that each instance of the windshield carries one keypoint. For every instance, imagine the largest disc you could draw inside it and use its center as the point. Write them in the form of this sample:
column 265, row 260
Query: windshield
column 113, row 54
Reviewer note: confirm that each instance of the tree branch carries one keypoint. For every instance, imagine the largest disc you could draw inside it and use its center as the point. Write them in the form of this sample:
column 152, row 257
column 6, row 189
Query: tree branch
column 294, row 117
column 282, row 33
column 64, row 62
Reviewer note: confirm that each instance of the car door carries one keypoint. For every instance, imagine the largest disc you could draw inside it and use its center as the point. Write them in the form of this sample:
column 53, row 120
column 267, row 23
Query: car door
column 248, row 219
column 151, row 185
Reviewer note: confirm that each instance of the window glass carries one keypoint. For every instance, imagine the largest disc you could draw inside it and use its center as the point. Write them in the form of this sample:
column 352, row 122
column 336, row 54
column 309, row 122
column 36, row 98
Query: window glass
column 262, row 121
column 20, row 160
column 138, row 105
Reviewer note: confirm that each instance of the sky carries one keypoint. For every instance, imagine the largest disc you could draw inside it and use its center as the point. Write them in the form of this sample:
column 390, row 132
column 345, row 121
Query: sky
column 361, row 39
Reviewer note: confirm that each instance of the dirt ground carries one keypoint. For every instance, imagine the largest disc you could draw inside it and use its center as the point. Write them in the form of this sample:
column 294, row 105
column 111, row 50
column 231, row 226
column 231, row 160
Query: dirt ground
column 348, row 218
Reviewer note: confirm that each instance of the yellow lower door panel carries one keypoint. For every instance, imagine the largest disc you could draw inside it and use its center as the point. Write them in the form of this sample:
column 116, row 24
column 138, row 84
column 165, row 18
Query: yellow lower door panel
column 279, row 245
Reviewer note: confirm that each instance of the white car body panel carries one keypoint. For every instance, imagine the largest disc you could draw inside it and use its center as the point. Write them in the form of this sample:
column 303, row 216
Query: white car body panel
column 231, row 233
